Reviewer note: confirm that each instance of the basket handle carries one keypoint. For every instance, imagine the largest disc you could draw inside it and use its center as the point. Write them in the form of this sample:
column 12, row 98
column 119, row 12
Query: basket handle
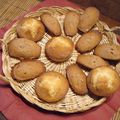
column 1, row 41
column 3, row 78
column 116, row 30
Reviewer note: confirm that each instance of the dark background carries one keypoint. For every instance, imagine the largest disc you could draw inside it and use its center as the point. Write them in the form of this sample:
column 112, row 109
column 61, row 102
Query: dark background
column 109, row 8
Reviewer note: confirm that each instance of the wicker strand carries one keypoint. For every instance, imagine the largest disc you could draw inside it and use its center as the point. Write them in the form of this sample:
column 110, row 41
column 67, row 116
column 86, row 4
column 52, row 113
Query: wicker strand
column 4, row 79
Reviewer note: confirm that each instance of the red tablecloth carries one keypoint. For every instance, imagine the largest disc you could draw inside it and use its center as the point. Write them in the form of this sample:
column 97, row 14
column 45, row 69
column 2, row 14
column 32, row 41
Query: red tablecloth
column 14, row 107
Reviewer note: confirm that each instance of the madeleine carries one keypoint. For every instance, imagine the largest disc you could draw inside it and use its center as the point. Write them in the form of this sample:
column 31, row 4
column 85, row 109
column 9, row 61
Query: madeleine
column 23, row 48
column 27, row 70
column 108, row 51
column 91, row 61
column 88, row 19
column 51, row 23
column 77, row 79
column 71, row 23
column 88, row 41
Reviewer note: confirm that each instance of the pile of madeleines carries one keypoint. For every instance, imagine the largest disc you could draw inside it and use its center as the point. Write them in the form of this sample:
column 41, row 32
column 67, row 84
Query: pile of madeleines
column 51, row 86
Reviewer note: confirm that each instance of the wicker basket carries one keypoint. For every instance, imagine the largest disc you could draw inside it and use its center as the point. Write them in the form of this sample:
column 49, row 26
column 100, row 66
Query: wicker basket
column 71, row 103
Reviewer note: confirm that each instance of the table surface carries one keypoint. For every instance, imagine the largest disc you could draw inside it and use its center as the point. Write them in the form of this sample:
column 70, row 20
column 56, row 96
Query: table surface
column 10, row 9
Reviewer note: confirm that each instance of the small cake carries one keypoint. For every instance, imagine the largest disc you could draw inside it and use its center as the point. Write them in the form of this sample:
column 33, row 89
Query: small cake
column 108, row 51
column 23, row 48
column 88, row 41
column 51, row 86
column 88, row 19
column 27, row 70
column 59, row 49
column 71, row 22
column 103, row 81
column 91, row 61
column 51, row 23
column 30, row 28
column 77, row 79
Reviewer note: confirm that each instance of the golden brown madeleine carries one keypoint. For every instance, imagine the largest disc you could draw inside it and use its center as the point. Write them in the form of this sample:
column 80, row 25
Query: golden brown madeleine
column 91, row 61
column 51, row 86
column 88, row 41
column 108, row 51
column 27, row 70
column 71, row 23
column 30, row 28
column 51, row 23
column 23, row 48
column 88, row 19
column 103, row 81
column 59, row 49
column 77, row 79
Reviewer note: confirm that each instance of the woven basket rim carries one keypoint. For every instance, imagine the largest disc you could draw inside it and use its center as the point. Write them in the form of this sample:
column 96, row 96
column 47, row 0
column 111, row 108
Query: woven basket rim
column 26, row 96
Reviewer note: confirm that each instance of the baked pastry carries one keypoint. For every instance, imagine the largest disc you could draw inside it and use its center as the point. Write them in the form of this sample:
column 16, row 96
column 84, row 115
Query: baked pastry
column 103, row 81
column 27, row 70
column 23, row 48
column 77, row 79
column 51, row 86
column 88, row 19
column 88, row 41
column 91, row 61
column 51, row 23
column 71, row 23
column 108, row 51
column 59, row 49
column 30, row 28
